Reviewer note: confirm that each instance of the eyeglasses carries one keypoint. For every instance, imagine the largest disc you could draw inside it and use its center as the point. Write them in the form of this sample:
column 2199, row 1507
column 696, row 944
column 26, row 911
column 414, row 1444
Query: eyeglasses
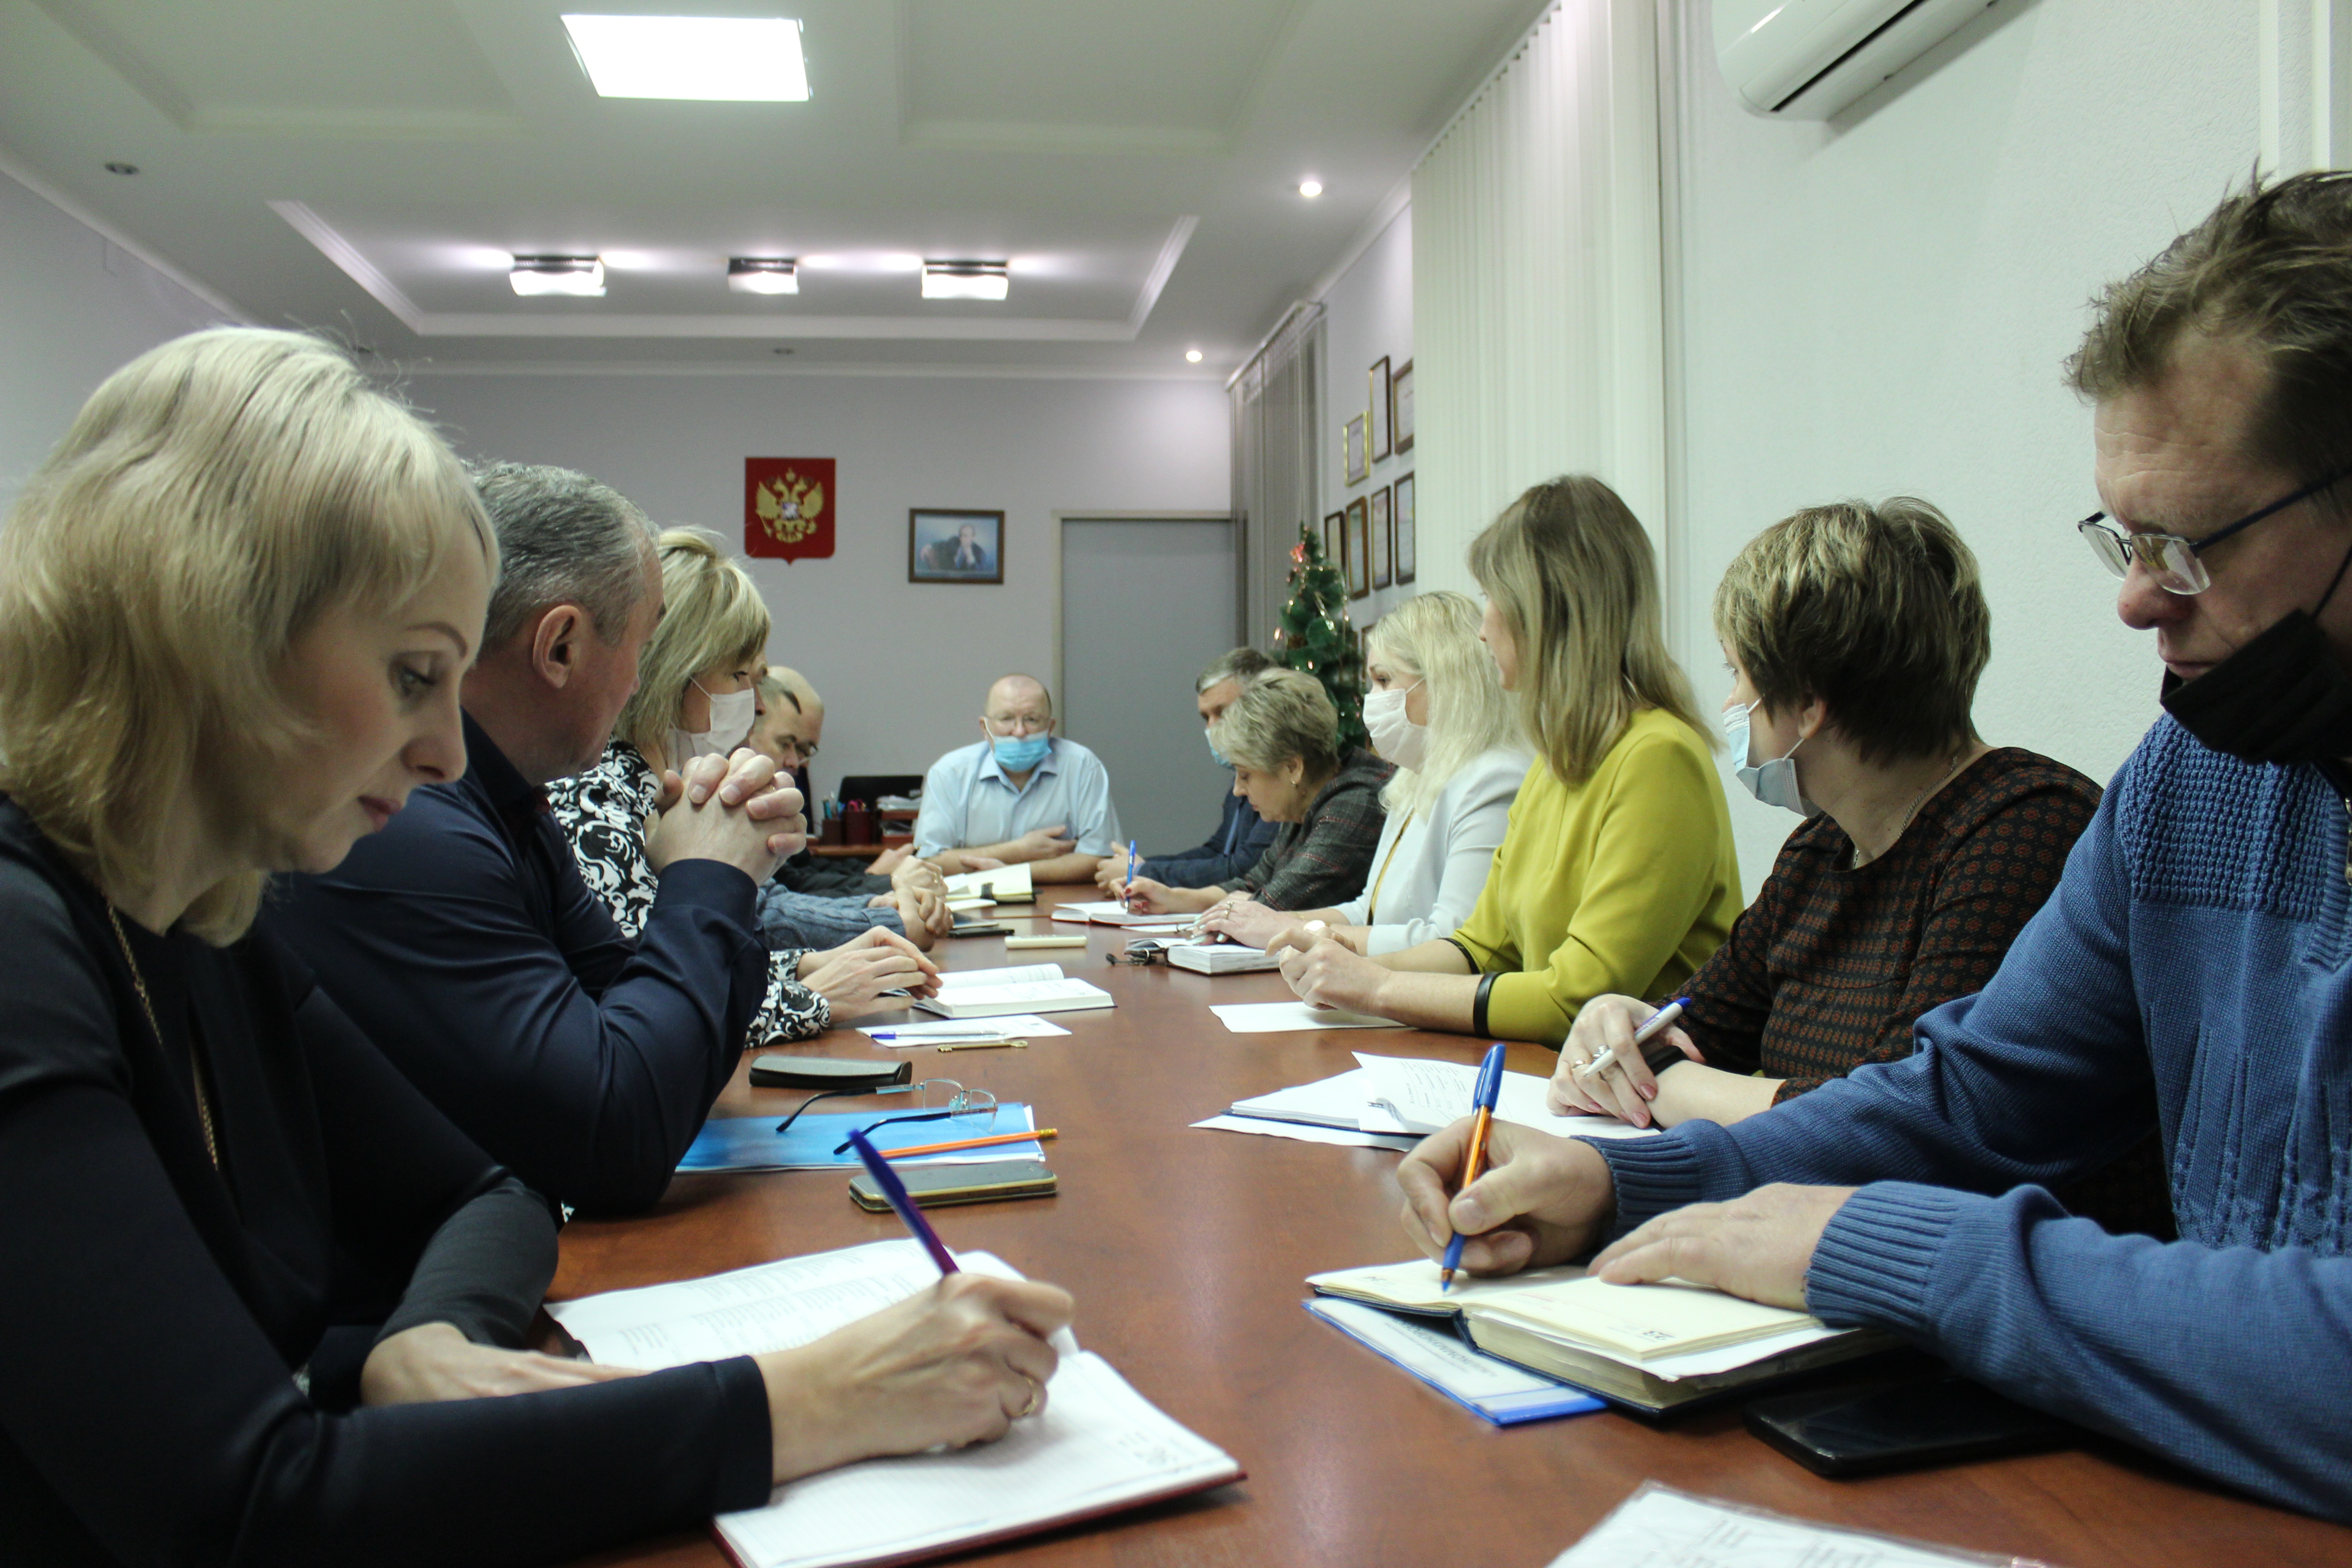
column 2174, row 563
column 939, row 1098
column 1142, row 950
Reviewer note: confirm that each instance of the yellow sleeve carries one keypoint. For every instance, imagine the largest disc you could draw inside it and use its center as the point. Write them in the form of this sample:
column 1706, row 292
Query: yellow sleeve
column 1487, row 933
column 1652, row 871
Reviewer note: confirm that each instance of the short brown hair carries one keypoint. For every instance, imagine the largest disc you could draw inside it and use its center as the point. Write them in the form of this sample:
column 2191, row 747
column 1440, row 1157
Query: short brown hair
column 1876, row 610
column 1571, row 571
column 1242, row 664
column 2270, row 268
column 1280, row 715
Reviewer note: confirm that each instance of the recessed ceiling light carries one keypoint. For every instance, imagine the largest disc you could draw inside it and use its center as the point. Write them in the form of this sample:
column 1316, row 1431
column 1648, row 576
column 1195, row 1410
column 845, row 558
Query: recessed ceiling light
column 1310, row 189
column 558, row 274
column 122, row 168
column 1191, row 356
column 966, row 280
column 744, row 59
column 762, row 275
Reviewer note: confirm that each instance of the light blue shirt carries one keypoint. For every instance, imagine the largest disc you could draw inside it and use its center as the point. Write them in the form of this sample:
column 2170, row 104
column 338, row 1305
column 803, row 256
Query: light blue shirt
column 968, row 802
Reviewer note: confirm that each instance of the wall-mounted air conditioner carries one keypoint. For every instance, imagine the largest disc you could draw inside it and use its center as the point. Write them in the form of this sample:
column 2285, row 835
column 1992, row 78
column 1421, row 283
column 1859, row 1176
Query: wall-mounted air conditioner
column 1806, row 59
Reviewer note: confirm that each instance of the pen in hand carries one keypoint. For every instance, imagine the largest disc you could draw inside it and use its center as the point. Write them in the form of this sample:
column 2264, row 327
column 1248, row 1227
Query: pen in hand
column 1127, row 894
column 1651, row 1026
column 894, row 1192
column 1482, row 1102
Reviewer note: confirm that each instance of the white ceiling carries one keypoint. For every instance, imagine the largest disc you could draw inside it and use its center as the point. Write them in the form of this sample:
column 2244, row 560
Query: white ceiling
column 369, row 165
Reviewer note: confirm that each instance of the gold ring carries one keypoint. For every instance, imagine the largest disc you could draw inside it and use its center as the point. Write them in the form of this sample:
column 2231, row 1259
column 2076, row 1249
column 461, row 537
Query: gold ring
column 1037, row 1391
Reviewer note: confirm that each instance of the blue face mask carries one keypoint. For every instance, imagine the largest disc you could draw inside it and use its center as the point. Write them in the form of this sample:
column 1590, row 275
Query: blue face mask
column 1019, row 754
column 1223, row 760
column 1773, row 782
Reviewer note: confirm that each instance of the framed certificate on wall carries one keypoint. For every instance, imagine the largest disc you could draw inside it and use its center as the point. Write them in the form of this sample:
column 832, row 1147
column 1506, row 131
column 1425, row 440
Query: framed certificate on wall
column 1383, row 543
column 1359, row 550
column 1402, row 508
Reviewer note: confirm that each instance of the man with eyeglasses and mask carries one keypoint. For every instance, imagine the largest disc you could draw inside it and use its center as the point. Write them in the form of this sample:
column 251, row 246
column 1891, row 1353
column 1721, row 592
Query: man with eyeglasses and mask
column 2192, row 973
column 1020, row 795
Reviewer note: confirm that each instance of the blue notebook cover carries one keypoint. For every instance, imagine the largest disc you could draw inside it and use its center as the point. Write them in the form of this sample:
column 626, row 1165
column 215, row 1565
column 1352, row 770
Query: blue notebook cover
column 752, row 1143
column 1502, row 1392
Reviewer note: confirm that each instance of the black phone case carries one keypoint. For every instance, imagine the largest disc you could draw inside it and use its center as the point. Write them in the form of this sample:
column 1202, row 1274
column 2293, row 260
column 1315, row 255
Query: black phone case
column 1909, row 1425
column 829, row 1072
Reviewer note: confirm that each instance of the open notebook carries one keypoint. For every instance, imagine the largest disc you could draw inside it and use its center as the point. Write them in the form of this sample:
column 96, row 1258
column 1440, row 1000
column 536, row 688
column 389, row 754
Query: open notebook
column 1002, row 885
column 1110, row 912
column 1654, row 1347
column 1016, row 988
column 1220, row 957
column 1098, row 1447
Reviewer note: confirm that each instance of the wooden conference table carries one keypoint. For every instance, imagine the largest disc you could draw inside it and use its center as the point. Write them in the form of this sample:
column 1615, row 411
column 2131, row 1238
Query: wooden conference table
column 1186, row 1250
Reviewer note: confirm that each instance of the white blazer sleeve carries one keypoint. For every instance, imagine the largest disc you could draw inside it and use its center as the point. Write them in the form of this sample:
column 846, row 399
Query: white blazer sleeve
column 1474, row 823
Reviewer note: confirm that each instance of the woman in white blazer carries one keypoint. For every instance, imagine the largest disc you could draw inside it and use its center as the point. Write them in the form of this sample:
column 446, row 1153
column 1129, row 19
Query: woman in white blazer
column 1435, row 709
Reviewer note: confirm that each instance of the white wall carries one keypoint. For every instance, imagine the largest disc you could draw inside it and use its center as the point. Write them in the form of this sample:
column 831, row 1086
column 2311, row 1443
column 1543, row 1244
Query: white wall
column 1880, row 305
column 904, row 668
column 1368, row 313
column 74, row 307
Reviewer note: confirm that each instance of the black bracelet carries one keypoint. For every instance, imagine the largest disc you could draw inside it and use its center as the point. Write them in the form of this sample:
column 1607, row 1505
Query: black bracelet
column 1478, row 1002
column 1659, row 1055
column 1464, row 951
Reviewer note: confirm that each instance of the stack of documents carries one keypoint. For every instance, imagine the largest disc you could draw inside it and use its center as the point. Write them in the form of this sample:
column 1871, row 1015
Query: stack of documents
column 978, row 890
column 1220, row 957
column 1096, row 1448
column 1653, row 1347
column 1018, row 988
column 1392, row 1102
column 1113, row 913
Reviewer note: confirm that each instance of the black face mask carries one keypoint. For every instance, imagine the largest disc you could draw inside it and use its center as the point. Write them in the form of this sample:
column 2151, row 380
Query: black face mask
column 2282, row 698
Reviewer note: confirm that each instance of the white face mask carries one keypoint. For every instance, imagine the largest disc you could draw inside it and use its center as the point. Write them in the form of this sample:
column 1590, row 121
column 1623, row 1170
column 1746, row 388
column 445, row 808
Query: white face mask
column 1394, row 736
column 1773, row 782
column 732, row 715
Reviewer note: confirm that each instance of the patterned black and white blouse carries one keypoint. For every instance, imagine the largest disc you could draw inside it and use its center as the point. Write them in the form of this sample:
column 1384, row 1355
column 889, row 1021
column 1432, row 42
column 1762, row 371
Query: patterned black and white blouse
column 603, row 812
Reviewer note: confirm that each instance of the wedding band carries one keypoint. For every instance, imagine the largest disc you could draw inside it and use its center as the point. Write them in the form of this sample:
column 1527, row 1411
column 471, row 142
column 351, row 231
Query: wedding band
column 1037, row 1391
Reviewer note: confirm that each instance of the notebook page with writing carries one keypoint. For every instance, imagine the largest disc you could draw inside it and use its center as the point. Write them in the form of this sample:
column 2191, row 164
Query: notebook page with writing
column 1422, row 1096
column 1007, row 974
column 1097, row 1446
column 771, row 1307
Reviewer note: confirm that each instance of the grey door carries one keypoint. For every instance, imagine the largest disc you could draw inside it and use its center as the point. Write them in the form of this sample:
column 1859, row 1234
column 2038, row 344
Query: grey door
column 1144, row 605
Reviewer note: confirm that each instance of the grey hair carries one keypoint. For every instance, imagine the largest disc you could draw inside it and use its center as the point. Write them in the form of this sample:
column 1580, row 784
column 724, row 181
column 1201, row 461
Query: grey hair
column 1242, row 664
column 564, row 538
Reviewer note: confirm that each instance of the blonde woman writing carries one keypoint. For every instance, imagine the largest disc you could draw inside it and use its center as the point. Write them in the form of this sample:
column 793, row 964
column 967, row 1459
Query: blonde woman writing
column 697, row 696
column 1437, row 711
column 1617, row 873
column 261, row 1294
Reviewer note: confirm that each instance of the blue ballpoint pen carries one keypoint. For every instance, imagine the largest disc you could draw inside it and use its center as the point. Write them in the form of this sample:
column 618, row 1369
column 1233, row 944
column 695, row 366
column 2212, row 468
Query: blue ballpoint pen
column 1129, row 900
column 1481, row 1103
column 894, row 1192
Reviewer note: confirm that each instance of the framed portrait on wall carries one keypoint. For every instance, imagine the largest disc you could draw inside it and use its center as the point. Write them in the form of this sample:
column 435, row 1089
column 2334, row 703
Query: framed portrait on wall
column 948, row 546
column 1359, row 549
column 1401, row 409
column 1382, row 409
column 1335, row 539
column 1384, row 545
column 1402, row 508
column 1357, row 463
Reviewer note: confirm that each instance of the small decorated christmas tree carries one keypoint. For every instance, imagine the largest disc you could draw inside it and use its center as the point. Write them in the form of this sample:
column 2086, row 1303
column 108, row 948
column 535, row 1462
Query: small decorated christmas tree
column 1315, row 637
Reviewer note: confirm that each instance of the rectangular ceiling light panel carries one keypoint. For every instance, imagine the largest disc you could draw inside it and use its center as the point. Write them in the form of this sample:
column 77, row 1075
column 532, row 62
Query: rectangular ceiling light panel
column 966, row 280
column 583, row 275
column 742, row 59
column 762, row 275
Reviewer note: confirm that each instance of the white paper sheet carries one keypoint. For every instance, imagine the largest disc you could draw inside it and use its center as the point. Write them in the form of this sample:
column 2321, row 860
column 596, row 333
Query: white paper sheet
column 1284, row 1017
column 1305, row 1133
column 956, row 979
column 1660, row 1528
column 1096, row 1444
column 1423, row 1096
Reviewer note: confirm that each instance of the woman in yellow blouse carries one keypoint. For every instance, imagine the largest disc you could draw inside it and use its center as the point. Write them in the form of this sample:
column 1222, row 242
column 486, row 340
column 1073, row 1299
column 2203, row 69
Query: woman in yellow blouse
column 1617, row 871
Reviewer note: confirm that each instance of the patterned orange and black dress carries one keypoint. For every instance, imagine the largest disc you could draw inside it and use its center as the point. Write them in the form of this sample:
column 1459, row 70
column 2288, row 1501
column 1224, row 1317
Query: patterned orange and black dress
column 1832, row 963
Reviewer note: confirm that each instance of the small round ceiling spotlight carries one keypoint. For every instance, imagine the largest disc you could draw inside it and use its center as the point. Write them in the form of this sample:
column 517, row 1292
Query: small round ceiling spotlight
column 1191, row 356
column 779, row 351
column 120, row 168
column 1310, row 189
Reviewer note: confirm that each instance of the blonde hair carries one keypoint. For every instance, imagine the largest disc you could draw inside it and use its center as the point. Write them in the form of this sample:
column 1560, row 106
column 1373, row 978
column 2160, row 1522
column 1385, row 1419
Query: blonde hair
column 1570, row 573
column 1280, row 715
column 1877, row 611
column 1435, row 637
column 712, row 614
column 211, row 500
